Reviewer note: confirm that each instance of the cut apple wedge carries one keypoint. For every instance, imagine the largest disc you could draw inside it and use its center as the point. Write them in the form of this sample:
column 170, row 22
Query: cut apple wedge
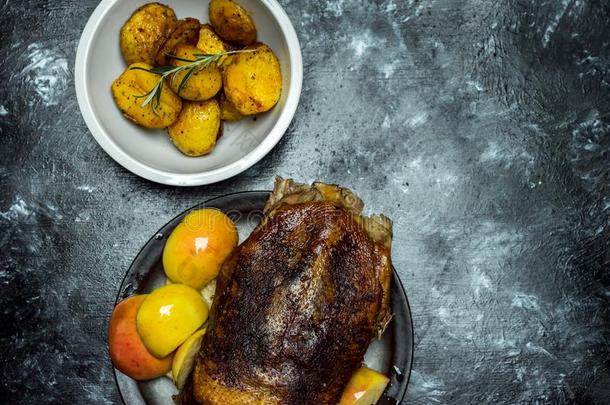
column 184, row 359
column 364, row 388
column 208, row 293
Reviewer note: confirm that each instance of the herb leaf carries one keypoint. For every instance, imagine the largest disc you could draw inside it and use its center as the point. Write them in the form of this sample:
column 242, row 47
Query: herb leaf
column 184, row 80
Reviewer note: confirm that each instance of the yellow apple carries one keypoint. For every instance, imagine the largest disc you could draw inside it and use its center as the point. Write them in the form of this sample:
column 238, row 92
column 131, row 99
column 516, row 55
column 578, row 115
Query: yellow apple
column 168, row 316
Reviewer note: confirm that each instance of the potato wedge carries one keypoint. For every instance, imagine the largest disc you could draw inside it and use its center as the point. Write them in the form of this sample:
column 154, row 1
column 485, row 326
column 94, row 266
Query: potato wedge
column 232, row 22
column 228, row 112
column 253, row 80
column 184, row 31
column 128, row 90
column 201, row 85
column 145, row 31
column 196, row 130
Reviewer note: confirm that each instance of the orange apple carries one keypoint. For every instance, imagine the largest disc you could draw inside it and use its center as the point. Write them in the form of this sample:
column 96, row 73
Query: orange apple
column 197, row 247
column 364, row 388
column 127, row 351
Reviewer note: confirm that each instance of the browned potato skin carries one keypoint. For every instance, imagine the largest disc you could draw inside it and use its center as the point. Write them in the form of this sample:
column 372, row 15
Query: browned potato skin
column 201, row 85
column 232, row 22
column 197, row 128
column 228, row 112
column 253, row 80
column 128, row 89
column 145, row 31
column 184, row 31
column 221, row 130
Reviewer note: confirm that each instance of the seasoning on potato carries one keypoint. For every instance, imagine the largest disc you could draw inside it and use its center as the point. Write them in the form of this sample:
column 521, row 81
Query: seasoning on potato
column 232, row 22
column 145, row 31
column 184, row 31
column 202, row 84
column 129, row 92
column 209, row 42
column 253, row 80
column 196, row 130
column 177, row 70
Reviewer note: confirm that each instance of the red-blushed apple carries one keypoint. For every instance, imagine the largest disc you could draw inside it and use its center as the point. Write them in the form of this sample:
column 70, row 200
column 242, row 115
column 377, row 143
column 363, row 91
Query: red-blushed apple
column 127, row 351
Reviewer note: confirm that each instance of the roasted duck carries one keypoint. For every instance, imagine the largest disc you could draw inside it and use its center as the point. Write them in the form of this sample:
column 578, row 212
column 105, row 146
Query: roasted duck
column 297, row 303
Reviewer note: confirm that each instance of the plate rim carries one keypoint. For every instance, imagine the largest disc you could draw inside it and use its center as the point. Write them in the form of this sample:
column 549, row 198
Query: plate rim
column 406, row 373
column 194, row 179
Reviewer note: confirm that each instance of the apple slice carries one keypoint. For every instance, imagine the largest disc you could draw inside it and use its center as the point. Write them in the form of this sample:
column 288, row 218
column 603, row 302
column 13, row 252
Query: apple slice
column 184, row 359
column 364, row 388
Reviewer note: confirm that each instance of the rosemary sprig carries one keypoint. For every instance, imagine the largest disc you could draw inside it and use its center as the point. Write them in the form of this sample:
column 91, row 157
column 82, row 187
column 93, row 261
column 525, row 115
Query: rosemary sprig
column 193, row 65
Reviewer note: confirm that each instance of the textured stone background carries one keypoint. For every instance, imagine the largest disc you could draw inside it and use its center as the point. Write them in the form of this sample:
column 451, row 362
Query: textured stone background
column 482, row 128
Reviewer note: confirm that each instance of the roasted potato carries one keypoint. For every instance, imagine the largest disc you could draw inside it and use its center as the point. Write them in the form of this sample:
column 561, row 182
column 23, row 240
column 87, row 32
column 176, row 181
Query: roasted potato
column 128, row 91
column 228, row 112
column 232, row 22
column 201, row 85
column 253, row 80
column 196, row 130
column 209, row 42
column 184, row 31
column 145, row 31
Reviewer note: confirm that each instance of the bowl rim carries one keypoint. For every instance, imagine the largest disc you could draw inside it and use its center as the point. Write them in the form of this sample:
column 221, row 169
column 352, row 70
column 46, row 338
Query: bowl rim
column 193, row 179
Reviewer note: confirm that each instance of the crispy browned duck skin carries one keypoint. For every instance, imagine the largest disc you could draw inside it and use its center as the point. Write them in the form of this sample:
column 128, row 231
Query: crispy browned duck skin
column 297, row 303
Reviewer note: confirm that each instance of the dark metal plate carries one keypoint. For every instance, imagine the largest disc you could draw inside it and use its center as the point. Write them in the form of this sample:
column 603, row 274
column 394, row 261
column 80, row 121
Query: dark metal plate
column 392, row 354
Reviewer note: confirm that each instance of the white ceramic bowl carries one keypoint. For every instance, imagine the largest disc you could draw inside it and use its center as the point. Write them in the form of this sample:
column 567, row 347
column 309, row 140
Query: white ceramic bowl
column 149, row 153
